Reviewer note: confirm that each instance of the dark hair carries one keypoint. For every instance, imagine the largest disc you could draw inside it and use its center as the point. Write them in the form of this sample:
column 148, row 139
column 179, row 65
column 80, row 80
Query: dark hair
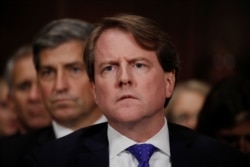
column 225, row 105
column 58, row 32
column 147, row 33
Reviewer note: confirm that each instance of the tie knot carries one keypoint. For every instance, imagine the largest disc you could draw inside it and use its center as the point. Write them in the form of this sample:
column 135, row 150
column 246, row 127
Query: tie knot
column 142, row 152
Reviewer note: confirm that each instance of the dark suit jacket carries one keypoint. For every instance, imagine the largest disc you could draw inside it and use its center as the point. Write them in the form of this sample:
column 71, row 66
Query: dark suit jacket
column 13, row 149
column 89, row 147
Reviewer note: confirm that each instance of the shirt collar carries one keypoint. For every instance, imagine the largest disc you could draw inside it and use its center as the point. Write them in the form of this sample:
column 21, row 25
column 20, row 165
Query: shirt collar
column 118, row 143
column 100, row 120
column 60, row 130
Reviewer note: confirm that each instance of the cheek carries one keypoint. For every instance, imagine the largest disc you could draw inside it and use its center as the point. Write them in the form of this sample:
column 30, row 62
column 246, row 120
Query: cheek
column 97, row 95
column 93, row 91
column 20, row 98
column 102, row 94
column 85, row 92
column 45, row 90
column 154, row 89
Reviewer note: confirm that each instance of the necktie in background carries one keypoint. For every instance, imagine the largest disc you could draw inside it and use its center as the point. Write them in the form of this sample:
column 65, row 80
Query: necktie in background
column 142, row 152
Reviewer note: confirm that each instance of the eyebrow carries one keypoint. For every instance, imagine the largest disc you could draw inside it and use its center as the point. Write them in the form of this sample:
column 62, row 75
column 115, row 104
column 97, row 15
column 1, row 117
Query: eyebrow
column 116, row 62
column 64, row 65
column 73, row 64
column 106, row 63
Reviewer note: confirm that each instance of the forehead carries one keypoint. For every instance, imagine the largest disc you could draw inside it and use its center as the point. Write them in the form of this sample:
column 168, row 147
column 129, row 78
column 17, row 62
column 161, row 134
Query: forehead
column 118, row 43
column 24, row 68
column 67, row 52
column 23, row 65
column 109, row 36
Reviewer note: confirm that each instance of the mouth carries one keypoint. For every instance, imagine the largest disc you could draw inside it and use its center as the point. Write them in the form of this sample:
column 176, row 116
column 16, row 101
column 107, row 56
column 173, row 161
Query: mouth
column 61, row 103
column 126, row 97
column 36, row 112
column 60, row 100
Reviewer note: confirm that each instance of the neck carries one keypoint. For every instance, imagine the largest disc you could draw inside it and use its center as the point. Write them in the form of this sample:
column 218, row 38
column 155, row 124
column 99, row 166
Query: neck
column 82, row 121
column 140, row 131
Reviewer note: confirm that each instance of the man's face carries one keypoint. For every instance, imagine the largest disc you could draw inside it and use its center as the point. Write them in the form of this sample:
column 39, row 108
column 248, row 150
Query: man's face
column 64, row 83
column 130, row 84
column 26, row 96
column 186, row 107
column 237, row 136
column 8, row 120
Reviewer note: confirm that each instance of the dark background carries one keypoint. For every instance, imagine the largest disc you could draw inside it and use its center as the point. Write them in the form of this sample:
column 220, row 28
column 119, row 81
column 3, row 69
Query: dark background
column 211, row 36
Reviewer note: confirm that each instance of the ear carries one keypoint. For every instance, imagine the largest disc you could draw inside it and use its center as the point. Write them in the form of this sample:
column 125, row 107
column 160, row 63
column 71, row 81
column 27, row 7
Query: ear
column 170, row 83
column 93, row 89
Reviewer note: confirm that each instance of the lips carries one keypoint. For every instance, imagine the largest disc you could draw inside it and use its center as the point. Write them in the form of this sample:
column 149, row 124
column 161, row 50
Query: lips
column 62, row 103
column 61, row 100
column 125, row 97
column 36, row 111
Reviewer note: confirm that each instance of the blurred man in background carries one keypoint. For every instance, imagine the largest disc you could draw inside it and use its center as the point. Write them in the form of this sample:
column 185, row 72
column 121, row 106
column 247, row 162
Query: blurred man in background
column 22, row 82
column 8, row 119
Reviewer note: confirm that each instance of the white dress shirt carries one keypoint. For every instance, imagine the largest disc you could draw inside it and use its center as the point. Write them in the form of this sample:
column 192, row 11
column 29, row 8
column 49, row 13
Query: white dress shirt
column 118, row 156
column 61, row 131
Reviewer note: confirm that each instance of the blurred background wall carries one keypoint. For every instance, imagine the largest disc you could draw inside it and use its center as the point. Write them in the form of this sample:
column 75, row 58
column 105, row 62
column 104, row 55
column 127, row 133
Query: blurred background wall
column 212, row 37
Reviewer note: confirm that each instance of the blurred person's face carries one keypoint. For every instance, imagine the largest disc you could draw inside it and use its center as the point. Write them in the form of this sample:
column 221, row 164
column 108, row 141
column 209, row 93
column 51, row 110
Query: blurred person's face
column 8, row 120
column 186, row 108
column 237, row 136
column 29, row 106
column 64, row 83
column 130, row 84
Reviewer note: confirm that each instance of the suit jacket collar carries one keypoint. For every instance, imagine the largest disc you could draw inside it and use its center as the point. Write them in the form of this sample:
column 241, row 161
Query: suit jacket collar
column 94, row 148
column 181, row 146
column 45, row 135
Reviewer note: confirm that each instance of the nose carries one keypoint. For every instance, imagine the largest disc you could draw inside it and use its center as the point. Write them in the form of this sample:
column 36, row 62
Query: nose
column 34, row 94
column 61, row 82
column 124, row 76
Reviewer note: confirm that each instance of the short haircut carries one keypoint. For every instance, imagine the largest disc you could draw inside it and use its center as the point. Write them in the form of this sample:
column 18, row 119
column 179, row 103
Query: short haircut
column 147, row 33
column 58, row 32
column 21, row 53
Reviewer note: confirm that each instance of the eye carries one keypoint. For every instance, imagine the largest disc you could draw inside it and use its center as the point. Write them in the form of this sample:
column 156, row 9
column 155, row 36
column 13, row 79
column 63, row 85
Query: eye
column 3, row 104
column 139, row 65
column 75, row 69
column 108, row 68
column 47, row 73
column 25, row 86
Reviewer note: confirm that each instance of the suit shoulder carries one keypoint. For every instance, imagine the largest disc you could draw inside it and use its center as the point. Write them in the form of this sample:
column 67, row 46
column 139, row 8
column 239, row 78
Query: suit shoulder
column 192, row 137
column 63, row 150
column 196, row 148
column 76, row 136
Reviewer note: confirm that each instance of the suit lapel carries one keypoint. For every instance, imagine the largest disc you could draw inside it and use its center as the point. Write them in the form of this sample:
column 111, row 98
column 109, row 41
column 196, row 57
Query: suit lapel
column 94, row 151
column 45, row 135
column 181, row 146
column 94, row 148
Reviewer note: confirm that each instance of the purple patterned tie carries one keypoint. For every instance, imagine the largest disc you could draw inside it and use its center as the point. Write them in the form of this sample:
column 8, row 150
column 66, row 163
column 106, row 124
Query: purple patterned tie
column 142, row 152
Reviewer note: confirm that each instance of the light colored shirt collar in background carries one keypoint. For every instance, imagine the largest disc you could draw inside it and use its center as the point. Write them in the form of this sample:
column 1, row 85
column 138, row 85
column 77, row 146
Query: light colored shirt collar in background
column 100, row 120
column 61, row 131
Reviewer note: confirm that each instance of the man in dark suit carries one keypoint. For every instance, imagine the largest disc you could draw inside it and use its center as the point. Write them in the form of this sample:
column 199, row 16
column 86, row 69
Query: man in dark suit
column 64, row 85
column 132, row 67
